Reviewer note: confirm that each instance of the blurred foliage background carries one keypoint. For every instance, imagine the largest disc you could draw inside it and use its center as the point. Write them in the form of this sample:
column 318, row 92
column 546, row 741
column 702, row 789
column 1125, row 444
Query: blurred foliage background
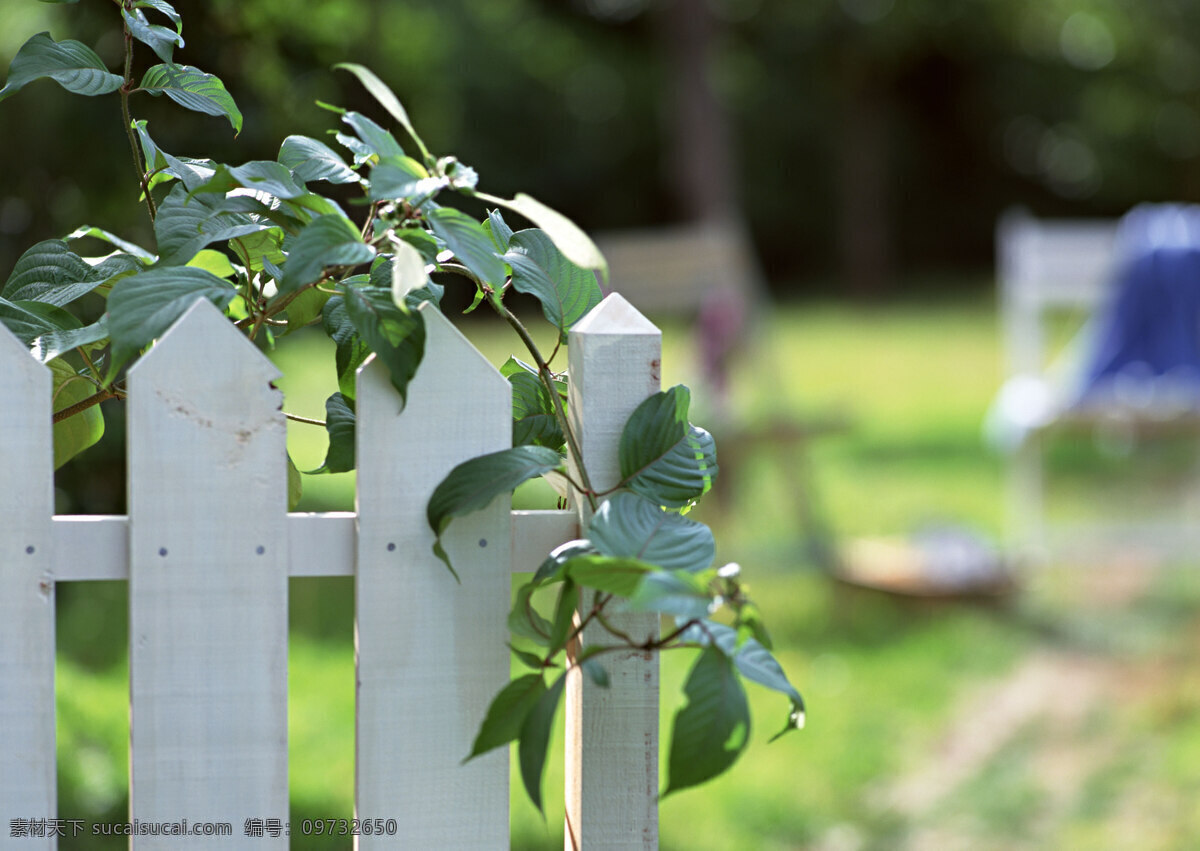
column 868, row 143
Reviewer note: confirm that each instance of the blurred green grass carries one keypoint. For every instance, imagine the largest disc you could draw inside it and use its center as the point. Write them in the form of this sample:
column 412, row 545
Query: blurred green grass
column 882, row 677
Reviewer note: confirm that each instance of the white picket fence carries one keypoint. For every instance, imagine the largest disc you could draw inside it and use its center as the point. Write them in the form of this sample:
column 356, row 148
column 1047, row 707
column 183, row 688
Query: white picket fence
column 208, row 547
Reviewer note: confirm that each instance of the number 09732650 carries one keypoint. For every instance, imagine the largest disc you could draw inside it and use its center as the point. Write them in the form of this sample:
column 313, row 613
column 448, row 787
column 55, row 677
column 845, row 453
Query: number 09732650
column 348, row 827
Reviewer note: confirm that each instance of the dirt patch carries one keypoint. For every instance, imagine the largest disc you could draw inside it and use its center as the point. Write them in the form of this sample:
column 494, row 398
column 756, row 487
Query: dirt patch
column 1056, row 688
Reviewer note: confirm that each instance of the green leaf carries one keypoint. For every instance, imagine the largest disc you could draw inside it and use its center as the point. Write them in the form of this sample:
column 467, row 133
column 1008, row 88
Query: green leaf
column 340, row 426
column 515, row 366
column 314, row 160
column 662, row 455
column 295, row 484
column 749, row 624
column 397, row 337
column 75, row 433
column 712, row 729
column 620, row 576
column 529, row 660
column 361, row 150
column 403, row 178
column 165, row 8
column 422, row 240
column 498, row 230
column 464, row 236
column 326, row 241
column 141, row 307
column 29, row 320
column 383, row 275
column 159, row 39
column 553, row 566
column 473, row 484
column 50, row 272
column 185, row 225
column 507, row 713
column 71, row 64
column 535, row 739
column 387, row 99
column 564, row 615
column 213, row 261
column 575, row 245
column 112, row 239
column 477, row 300
column 258, row 176
column 596, row 672
column 259, row 246
column 193, row 89
column 288, row 214
column 534, row 420
column 379, row 142
column 566, row 291
column 753, row 661
column 193, row 173
column 351, row 349
column 108, row 270
column 46, row 347
column 673, row 592
column 525, row 621
column 632, row 526
column 305, row 308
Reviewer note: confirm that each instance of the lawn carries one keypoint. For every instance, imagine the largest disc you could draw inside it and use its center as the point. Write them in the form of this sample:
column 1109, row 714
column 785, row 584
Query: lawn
column 928, row 727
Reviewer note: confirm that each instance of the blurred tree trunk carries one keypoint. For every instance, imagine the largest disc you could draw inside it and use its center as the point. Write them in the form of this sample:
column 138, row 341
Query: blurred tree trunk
column 864, row 224
column 700, row 157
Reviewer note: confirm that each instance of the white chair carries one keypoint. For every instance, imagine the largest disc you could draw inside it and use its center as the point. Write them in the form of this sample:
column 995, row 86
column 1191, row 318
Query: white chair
column 1055, row 265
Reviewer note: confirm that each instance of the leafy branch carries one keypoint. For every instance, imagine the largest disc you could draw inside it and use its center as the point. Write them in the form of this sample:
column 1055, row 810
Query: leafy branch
column 259, row 241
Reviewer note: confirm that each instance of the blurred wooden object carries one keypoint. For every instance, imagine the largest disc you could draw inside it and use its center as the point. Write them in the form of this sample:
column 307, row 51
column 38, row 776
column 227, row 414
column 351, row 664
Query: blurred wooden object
column 670, row 270
column 932, row 567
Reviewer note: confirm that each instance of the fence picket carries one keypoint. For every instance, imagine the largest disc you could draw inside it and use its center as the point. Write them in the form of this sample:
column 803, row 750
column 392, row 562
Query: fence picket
column 207, row 549
column 612, row 733
column 27, row 758
column 208, row 584
column 430, row 651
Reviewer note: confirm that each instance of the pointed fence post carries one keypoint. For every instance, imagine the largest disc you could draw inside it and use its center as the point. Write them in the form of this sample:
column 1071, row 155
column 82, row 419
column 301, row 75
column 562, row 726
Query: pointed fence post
column 431, row 652
column 208, row 585
column 27, row 759
column 612, row 733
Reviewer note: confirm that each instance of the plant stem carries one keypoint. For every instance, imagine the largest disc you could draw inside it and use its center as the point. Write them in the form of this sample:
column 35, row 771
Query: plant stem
column 548, row 380
column 671, row 636
column 126, row 87
column 95, row 373
column 613, row 631
column 80, row 407
column 300, row 419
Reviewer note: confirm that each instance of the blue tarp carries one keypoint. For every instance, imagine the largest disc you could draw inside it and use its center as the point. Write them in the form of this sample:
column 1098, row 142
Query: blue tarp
column 1146, row 340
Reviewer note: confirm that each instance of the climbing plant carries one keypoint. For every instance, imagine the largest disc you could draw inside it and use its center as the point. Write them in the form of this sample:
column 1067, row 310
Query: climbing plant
column 263, row 243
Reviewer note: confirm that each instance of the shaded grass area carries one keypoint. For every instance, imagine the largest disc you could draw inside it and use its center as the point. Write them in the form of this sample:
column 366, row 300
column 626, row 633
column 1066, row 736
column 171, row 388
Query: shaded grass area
column 884, row 678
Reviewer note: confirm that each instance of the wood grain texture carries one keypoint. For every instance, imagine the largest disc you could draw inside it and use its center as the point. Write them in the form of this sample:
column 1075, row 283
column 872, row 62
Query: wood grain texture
column 208, row 584
column 612, row 733
column 27, row 759
column 431, row 652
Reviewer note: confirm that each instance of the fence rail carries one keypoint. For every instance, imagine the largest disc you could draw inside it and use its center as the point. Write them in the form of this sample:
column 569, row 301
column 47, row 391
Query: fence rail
column 207, row 549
